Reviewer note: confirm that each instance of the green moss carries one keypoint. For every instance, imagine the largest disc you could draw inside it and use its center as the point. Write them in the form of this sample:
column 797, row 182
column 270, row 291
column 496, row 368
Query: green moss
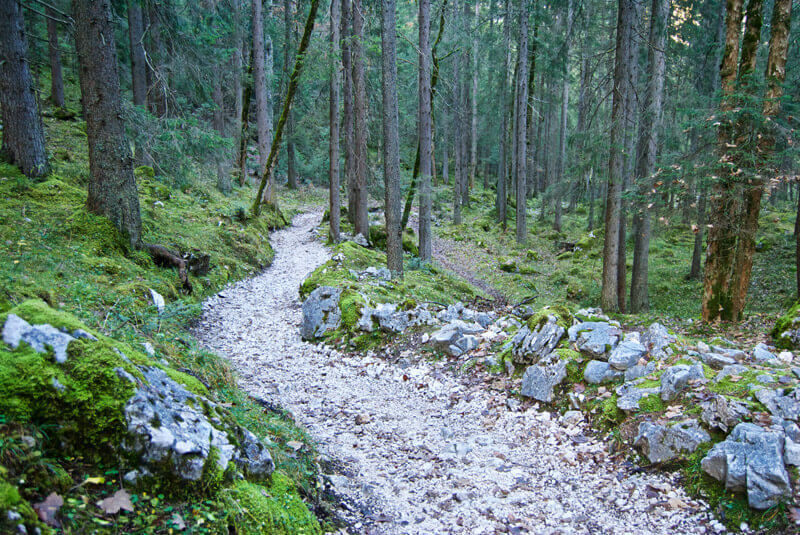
column 786, row 322
column 351, row 304
column 273, row 510
column 562, row 314
column 611, row 414
column 651, row 403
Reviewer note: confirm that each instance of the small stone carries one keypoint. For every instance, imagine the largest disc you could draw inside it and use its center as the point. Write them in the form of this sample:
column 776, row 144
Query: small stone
column 626, row 354
column 363, row 419
column 158, row 301
column 762, row 354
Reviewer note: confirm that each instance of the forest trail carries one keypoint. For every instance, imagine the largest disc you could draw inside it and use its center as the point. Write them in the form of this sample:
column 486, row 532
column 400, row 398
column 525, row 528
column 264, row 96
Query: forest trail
column 424, row 451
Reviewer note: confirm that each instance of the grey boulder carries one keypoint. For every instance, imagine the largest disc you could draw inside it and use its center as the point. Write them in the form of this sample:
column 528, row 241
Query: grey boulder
column 657, row 341
column 629, row 396
column 321, row 312
column 40, row 337
column 762, row 354
column 640, row 370
column 677, row 378
column 598, row 372
column 168, row 425
column 539, row 380
column 626, row 355
column 731, row 369
column 659, row 443
column 785, row 406
column 530, row 346
column 596, row 338
column 720, row 413
column 751, row 460
column 456, row 338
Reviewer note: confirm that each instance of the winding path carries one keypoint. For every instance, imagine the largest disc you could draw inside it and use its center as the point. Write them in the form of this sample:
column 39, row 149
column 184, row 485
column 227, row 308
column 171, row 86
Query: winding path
column 423, row 451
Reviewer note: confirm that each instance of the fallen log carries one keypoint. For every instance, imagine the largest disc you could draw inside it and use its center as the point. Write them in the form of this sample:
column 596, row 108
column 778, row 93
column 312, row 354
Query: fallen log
column 163, row 257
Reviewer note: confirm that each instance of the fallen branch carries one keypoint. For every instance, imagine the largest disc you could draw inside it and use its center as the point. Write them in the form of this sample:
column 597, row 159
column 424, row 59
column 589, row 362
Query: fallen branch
column 163, row 257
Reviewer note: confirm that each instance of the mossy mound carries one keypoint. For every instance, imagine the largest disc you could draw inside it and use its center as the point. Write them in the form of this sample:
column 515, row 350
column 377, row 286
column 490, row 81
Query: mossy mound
column 275, row 510
column 787, row 322
column 377, row 237
column 562, row 314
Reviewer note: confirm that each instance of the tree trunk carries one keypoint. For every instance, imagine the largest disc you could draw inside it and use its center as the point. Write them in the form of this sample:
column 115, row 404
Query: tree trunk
column 223, row 177
column 333, row 116
column 391, row 139
column 360, row 120
column 138, row 64
column 157, row 90
column 456, row 135
column 616, row 165
column 241, row 155
column 520, row 128
column 695, row 271
column 23, row 134
column 287, row 104
column 562, row 136
column 502, row 176
column 56, row 80
column 261, row 91
column 112, row 187
column 291, row 158
column 650, row 125
column 349, row 136
column 473, row 150
column 424, row 124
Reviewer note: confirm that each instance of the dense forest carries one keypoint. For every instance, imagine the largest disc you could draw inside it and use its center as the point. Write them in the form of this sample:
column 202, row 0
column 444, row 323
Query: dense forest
column 591, row 207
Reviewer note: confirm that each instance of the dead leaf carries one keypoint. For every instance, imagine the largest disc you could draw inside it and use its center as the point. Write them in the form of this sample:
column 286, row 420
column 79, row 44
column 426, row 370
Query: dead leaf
column 121, row 500
column 99, row 480
column 48, row 509
column 676, row 503
column 295, row 445
column 177, row 522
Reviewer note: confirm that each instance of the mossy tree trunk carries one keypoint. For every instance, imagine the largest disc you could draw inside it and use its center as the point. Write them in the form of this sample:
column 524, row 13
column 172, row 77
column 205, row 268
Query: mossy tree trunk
column 112, row 187
column 54, row 54
column 333, row 116
column 391, row 139
column 23, row 134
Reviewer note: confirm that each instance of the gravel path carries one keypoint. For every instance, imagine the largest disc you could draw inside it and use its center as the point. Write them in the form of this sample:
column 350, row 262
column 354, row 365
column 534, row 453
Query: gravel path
column 424, row 451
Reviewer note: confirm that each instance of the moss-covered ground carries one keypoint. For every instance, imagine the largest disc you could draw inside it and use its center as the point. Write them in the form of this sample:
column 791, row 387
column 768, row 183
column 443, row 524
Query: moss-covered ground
column 63, row 265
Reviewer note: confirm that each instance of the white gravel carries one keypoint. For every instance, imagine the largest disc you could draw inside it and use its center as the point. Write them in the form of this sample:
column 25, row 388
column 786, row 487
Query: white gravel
column 424, row 451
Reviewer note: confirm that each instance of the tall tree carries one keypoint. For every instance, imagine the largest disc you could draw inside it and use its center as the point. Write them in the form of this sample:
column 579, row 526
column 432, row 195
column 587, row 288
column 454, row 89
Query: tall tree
column 112, row 187
column 23, row 134
column 473, row 137
column 223, row 177
column 54, row 54
column 291, row 157
column 520, row 128
column 562, row 135
column 138, row 63
column 348, row 112
column 616, row 165
column 157, row 91
column 424, row 127
column 360, row 120
column 262, row 93
column 502, row 172
column 391, row 139
column 333, row 115
column 650, row 126
column 294, row 79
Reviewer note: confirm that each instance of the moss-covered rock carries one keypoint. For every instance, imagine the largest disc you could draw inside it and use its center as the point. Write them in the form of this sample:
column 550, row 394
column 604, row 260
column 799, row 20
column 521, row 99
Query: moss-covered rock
column 562, row 314
column 786, row 332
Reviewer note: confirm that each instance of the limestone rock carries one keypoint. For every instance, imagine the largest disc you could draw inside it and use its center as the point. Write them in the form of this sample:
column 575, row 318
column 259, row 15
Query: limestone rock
column 722, row 414
column 530, row 346
column 626, row 355
column 595, row 337
column 657, row 341
column 762, row 354
column 167, row 425
column 716, row 360
column 321, row 312
column 539, row 380
column 629, row 396
column 731, row 369
column 659, row 443
column 39, row 337
column 640, row 370
column 751, row 460
column 785, row 406
column 599, row 372
column 676, row 378
column 455, row 337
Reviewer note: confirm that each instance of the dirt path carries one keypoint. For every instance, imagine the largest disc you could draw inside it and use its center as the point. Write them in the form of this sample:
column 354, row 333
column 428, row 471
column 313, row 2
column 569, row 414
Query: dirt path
column 425, row 453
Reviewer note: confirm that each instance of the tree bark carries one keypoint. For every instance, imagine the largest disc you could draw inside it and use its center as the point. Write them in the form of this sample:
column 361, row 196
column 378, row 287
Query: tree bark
column 473, row 149
column 616, row 165
column 562, row 135
column 241, row 155
column 287, row 104
column 56, row 79
column 223, row 177
column 157, row 90
column 391, row 140
column 520, row 128
column 349, row 136
column 23, row 134
column 502, row 173
column 333, row 116
column 360, row 120
column 138, row 64
column 650, row 126
column 263, row 100
column 424, row 125
column 112, row 187
column 291, row 157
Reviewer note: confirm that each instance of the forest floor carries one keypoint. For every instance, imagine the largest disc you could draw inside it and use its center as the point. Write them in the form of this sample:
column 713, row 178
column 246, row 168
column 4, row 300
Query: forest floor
column 417, row 448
